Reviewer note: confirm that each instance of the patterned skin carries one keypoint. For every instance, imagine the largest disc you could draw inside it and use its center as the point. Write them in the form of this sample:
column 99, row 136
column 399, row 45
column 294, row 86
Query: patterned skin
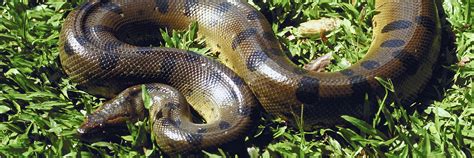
column 104, row 46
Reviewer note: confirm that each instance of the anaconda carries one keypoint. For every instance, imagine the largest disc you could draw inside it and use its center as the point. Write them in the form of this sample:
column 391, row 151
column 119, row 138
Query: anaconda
column 104, row 48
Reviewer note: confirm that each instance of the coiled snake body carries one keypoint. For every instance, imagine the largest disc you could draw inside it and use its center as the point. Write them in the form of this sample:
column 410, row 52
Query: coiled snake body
column 104, row 48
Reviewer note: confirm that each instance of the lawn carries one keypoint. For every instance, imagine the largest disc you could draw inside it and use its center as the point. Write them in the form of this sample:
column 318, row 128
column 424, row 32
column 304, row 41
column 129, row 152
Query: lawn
column 40, row 109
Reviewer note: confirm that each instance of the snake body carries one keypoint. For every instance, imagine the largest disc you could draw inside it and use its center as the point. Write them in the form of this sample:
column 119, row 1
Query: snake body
column 104, row 48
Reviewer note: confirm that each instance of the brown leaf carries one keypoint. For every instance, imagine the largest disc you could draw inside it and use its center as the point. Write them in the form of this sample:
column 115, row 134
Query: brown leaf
column 319, row 64
column 464, row 61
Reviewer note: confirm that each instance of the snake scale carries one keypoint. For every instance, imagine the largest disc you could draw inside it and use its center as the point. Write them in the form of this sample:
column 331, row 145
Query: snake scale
column 104, row 47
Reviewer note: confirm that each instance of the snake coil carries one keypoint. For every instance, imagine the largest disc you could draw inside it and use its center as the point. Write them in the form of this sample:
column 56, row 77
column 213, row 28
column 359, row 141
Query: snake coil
column 104, row 48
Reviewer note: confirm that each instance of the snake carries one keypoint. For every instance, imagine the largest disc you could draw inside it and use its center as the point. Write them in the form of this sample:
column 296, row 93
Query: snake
column 107, row 48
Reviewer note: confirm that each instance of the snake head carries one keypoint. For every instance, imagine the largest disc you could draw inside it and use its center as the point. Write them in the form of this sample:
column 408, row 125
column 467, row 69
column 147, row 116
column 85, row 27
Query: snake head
column 92, row 124
column 97, row 121
column 116, row 112
column 93, row 129
column 97, row 128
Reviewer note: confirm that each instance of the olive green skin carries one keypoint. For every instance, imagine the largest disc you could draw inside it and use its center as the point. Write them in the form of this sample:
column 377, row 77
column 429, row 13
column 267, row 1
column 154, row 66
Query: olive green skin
column 406, row 41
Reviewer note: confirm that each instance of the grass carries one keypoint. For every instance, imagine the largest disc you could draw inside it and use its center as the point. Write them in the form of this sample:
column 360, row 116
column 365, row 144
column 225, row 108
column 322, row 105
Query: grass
column 40, row 109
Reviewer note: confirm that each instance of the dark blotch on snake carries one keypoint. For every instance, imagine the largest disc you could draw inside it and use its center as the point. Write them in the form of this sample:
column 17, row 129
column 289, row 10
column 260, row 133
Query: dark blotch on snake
column 224, row 7
column 370, row 64
column 392, row 43
column 194, row 138
column 237, row 80
column 170, row 122
column 171, row 106
column 201, row 130
column 275, row 51
column 86, row 9
column 300, row 71
column 189, row 7
column 177, row 122
column 397, row 53
column 308, row 90
column 213, row 77
column 68, row 48
column 244, row 111
column 347, row 72
column 269, row 36
column 112, row 45
column 243, row 36
column 409, row 61
column 253, row 15
column 360, row 85
column 84, row 6
column 256, row 59
column 426, row 22
column 81, row 40
column 112, row 7
column 162, row 5
column 224, row 125
column 396, row 25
